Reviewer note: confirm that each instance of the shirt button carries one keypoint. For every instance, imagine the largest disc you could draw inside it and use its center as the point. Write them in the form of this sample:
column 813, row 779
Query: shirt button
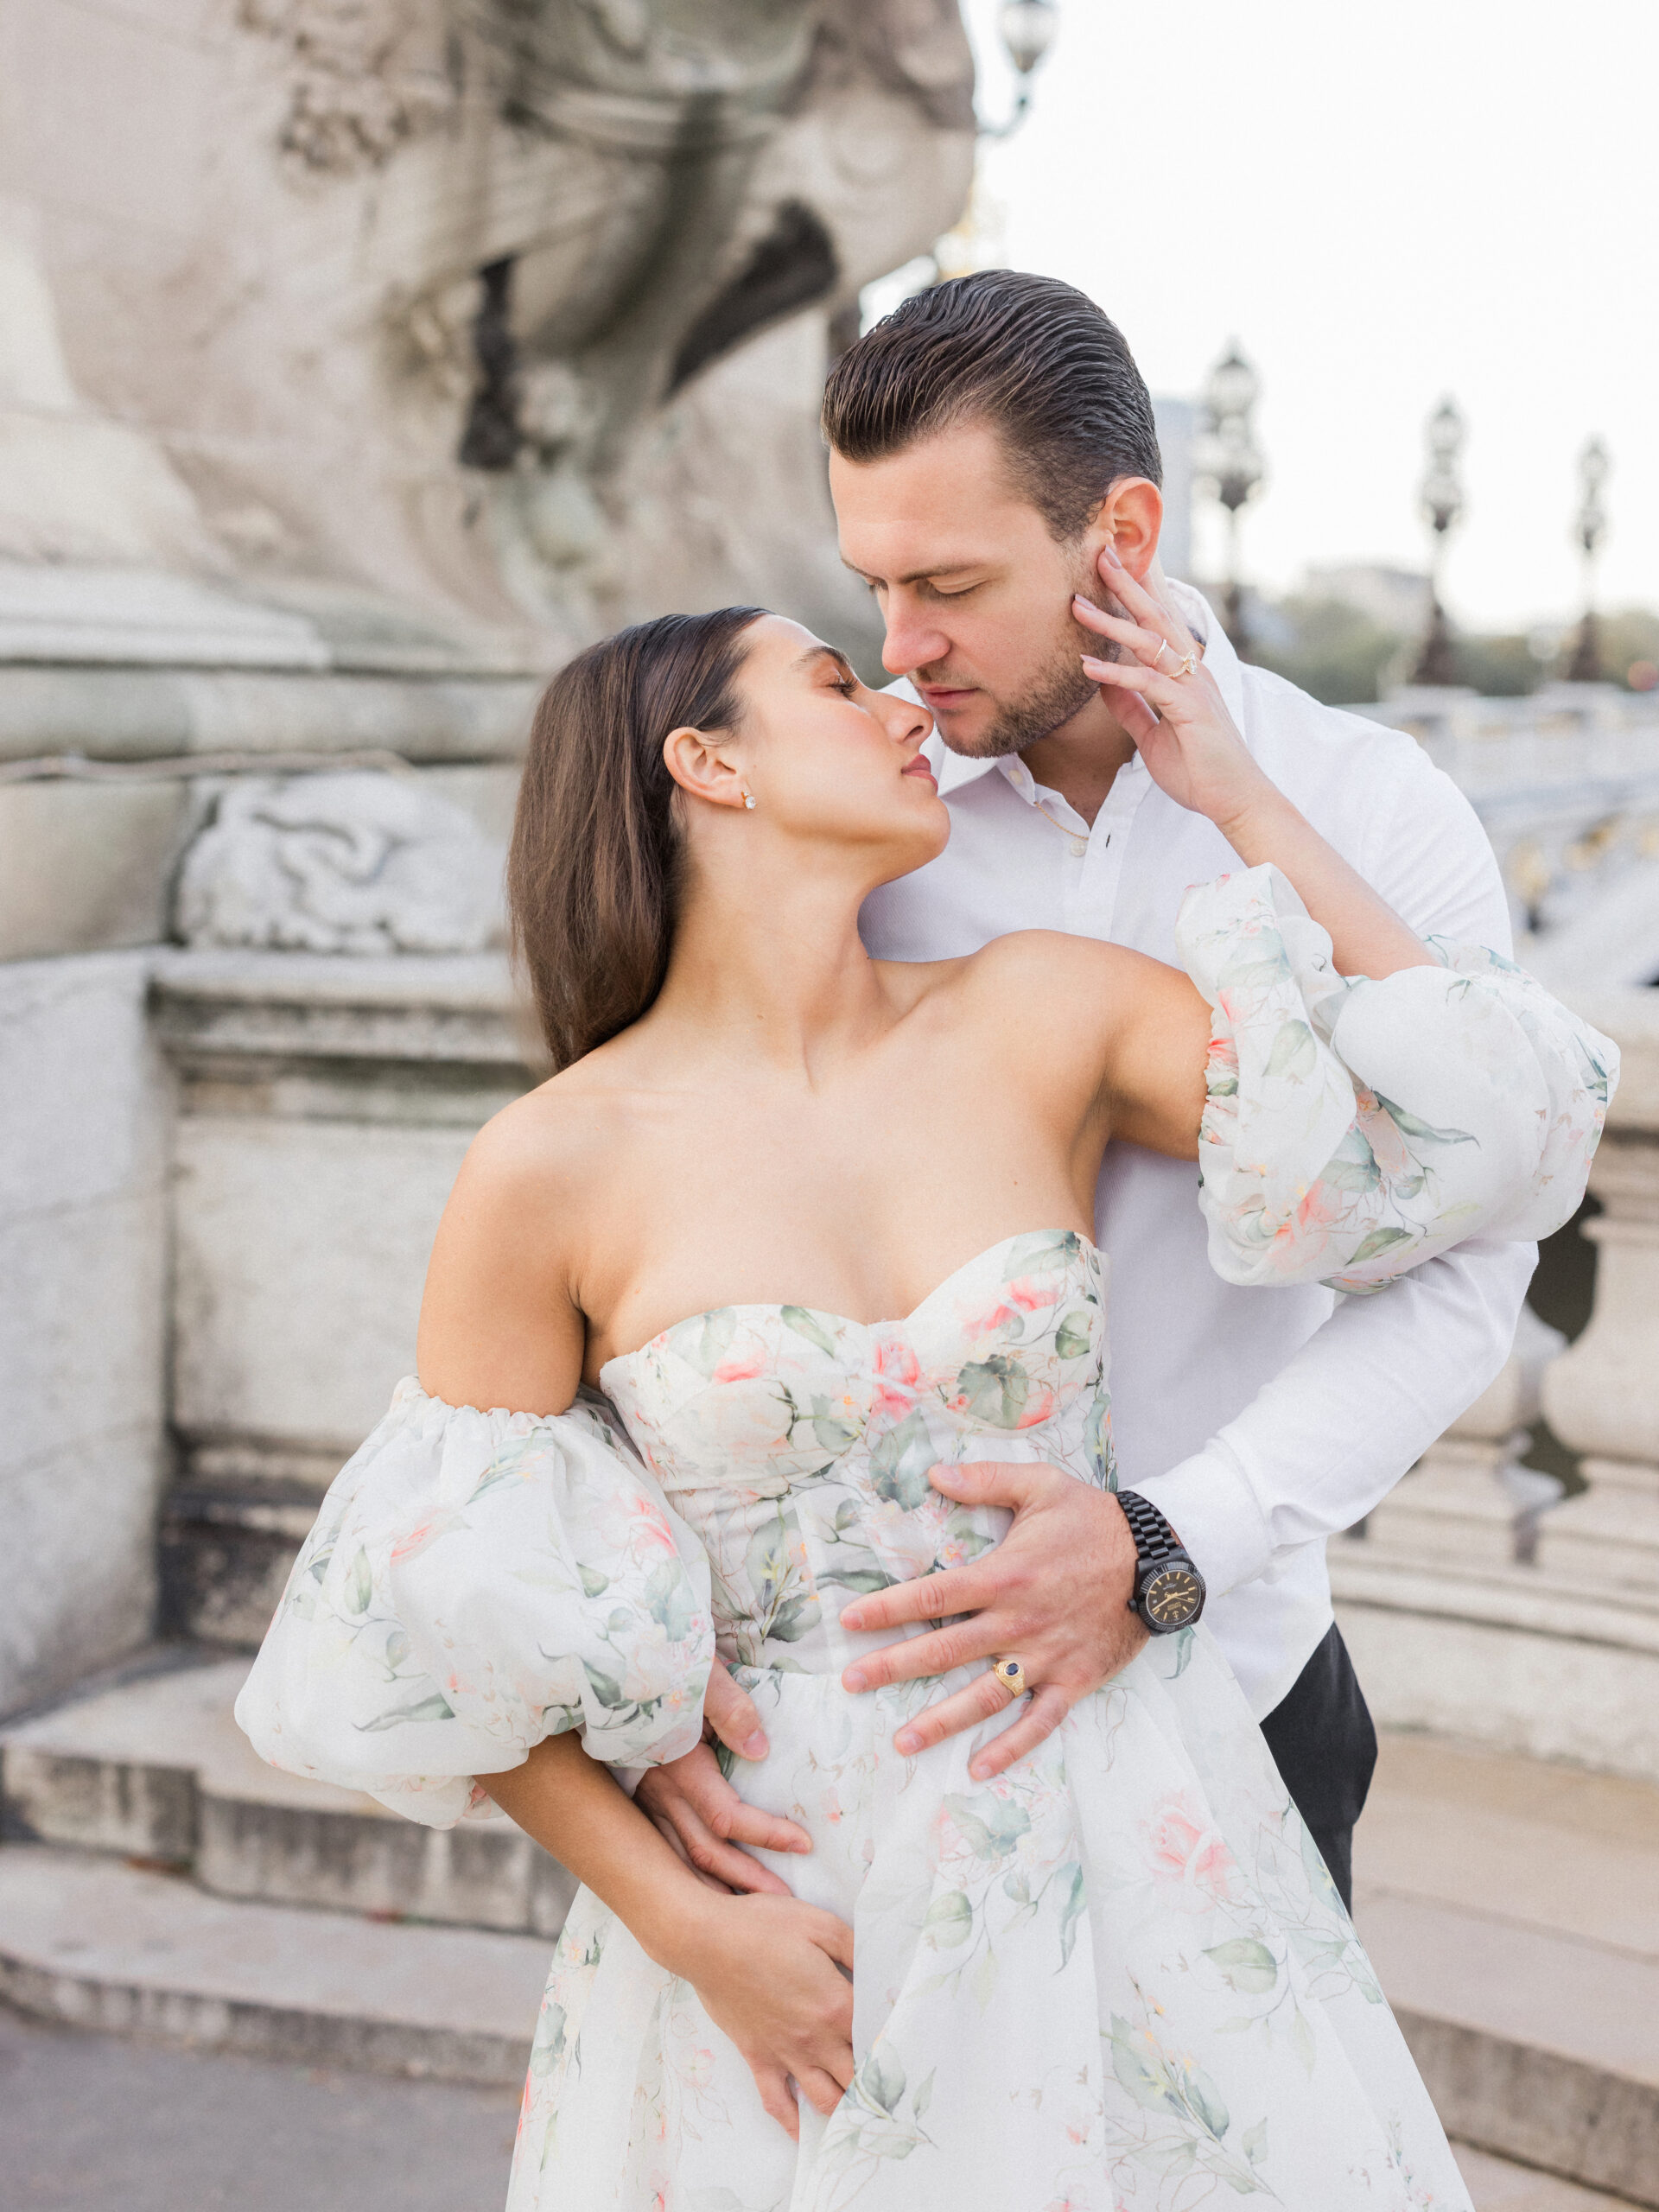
column 1080, row 847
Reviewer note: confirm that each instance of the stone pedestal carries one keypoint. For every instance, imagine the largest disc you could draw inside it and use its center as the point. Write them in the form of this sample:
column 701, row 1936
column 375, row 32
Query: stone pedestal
column 1469, row 1501
column 84, row 1107
column 1603, row 1397
column 325, row 1106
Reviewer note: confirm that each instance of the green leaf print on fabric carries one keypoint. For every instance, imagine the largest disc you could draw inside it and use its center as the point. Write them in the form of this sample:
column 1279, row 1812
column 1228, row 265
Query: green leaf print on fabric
column 670, row 1600
column 605, row 1688
column 994, row 1390
column 703, row 1342
column 1246, row 1965
column 1098, row 1442
column 805, row 1323
column 949, row 1920
column 1074, row 1336
column 1254, row 2143
column 1076, row 1901
column 1425, row 1132
column 883, row 2078
column 1140, row 2069
column 360, row 1585
column 434, row 1707
column 989, row 1825
column 899, row 1464
column 1352, row 1165
column 834, row 1431
column 1378, row 1240
column 783, row 1604
column 1294, row 1054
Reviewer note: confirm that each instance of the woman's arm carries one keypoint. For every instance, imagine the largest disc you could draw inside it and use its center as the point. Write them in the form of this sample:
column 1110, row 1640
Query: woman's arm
column 772, row 1972
column 500, row 1326
column 1196, row 754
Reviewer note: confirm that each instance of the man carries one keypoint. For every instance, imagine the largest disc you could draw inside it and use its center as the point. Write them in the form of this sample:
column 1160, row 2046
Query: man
column 992, row 453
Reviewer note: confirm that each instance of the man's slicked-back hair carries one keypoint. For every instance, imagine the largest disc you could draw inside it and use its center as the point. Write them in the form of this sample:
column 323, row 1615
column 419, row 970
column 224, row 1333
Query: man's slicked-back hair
column 1034, row 358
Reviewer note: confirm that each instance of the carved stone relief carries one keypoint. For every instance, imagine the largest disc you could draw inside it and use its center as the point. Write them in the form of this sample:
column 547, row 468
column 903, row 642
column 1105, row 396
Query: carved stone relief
column 360, row 863
column 368, row 75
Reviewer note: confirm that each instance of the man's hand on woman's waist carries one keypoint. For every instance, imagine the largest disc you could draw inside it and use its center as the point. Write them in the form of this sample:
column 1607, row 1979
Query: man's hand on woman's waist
column 1054, row 1595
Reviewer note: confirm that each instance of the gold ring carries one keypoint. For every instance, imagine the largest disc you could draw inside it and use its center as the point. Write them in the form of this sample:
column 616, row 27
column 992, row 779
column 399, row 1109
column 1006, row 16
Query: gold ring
column 1012, row 1676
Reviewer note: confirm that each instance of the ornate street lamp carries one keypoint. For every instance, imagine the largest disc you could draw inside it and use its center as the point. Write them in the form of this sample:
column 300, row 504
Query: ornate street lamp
column 1589, row 529
column 1230, row 461
column 1442, row 498
column 1027, row 28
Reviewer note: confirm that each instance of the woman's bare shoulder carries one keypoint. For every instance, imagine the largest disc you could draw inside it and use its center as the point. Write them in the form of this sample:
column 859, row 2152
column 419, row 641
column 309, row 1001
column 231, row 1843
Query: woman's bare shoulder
column 501, row 1319
column 1040, row 971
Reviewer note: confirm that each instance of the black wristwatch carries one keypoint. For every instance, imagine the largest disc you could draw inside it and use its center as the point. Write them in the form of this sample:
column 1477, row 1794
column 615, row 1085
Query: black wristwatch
column 1168, row 1588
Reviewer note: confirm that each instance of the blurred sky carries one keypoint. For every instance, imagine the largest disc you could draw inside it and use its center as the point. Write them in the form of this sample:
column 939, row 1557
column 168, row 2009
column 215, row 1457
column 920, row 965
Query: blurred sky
column 1384, row 204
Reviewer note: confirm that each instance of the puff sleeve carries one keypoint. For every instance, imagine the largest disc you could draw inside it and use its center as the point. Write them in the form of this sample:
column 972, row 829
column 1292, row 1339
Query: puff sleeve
column 1353, row 1128
column 475, row 1582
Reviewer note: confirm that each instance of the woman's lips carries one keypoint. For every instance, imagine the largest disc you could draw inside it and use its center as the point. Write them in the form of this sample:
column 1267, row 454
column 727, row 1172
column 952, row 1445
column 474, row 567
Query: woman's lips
column 919, row 769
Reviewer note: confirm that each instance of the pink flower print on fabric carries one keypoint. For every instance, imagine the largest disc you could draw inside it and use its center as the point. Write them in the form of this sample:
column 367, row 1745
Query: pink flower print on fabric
column 1191, row 1862
column 898, row 1377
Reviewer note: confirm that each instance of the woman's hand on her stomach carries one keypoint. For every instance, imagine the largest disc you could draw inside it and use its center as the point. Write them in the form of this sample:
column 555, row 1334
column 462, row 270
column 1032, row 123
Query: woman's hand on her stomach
column 700, row 1813
column 773, row 1976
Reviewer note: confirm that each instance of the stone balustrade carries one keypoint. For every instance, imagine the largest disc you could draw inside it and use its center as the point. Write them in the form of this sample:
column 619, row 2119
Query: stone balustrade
column 1480, row 1603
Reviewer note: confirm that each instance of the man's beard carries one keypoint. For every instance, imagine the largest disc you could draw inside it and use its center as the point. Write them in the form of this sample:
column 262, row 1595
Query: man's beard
column 1048, row 706
column 1061, row 691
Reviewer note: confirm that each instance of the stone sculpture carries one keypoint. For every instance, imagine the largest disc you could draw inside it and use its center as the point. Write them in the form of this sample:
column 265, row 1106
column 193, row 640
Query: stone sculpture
column 432, row 319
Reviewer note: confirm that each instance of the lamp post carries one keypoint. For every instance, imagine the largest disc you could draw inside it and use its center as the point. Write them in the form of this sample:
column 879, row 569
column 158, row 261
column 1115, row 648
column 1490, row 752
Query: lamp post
column 1591, row 528
column 1231, row 462
column 1442, row 498
column 1027, row 28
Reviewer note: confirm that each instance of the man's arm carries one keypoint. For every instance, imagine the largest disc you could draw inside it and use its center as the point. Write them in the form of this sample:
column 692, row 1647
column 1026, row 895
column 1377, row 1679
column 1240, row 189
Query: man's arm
column 1315, row 1450
column 1327, row 1440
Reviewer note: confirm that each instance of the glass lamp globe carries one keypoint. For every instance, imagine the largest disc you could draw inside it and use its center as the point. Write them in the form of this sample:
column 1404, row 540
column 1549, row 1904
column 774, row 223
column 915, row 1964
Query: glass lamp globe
column 1233, row 387
column 1027, row 28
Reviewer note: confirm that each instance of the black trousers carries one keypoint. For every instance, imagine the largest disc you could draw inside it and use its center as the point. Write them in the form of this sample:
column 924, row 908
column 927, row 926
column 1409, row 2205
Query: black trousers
column 1325, row 1743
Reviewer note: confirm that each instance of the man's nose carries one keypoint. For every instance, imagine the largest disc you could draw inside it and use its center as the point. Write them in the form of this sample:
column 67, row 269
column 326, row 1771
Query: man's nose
column 910, row 643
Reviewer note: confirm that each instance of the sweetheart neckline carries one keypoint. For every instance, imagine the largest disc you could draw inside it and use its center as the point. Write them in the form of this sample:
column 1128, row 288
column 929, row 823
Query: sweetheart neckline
column 847, row 1320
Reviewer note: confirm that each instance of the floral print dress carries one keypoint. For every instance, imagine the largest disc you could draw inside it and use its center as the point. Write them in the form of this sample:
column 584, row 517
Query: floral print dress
column 1117, row 1977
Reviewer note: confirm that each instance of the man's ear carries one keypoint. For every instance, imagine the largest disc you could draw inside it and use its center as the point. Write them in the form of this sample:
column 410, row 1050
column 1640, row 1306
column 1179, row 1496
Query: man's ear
column 1128, row 519
column 700, row 767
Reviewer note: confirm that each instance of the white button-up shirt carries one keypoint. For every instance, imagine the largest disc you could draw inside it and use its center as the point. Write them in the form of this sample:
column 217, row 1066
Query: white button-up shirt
column 1259, row 1421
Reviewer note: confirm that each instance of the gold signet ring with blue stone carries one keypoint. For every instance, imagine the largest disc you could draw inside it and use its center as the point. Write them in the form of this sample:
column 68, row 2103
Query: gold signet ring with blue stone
column 1012, row 1676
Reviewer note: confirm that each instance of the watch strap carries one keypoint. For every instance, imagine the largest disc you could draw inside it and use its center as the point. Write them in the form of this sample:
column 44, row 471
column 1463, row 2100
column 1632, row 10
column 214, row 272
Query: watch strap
column 1155, row 1542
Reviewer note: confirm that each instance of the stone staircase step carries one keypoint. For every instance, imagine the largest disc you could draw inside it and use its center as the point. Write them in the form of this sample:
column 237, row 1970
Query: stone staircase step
column 1511, row 1909
column 157, row 1768
column 94, row 1944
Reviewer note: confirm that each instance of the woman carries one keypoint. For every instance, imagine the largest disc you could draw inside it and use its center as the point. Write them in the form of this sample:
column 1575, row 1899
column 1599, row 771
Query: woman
column 1116, row 1974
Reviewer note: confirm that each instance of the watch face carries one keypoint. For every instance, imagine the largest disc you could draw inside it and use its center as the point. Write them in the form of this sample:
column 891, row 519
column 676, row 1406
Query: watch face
column 1172, row 1598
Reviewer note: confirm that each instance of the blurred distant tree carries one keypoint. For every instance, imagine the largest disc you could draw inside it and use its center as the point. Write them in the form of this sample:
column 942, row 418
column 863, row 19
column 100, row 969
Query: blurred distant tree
column 1327, row 647
column 1629, row 640
column 1496, row 666
column 1347, row 657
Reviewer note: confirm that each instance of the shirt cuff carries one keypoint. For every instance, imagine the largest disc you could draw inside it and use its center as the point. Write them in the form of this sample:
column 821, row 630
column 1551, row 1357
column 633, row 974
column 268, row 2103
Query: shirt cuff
column 1210, row 1503
column 628, row 1778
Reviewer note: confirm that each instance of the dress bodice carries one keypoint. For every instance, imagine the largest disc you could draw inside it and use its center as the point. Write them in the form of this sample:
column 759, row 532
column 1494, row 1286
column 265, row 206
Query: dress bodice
column 797, row 1444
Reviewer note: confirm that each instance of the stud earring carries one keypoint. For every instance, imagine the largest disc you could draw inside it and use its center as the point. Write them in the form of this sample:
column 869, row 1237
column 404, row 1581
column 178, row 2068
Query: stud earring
column 748, row 798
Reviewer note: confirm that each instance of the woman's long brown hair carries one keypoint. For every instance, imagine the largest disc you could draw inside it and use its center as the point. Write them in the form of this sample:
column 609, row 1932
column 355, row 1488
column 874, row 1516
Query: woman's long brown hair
column 593, row 871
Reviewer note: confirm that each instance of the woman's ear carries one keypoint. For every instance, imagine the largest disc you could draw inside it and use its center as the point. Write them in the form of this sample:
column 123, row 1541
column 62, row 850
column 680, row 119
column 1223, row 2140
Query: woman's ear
column 699, row 767
column 1128, row 519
